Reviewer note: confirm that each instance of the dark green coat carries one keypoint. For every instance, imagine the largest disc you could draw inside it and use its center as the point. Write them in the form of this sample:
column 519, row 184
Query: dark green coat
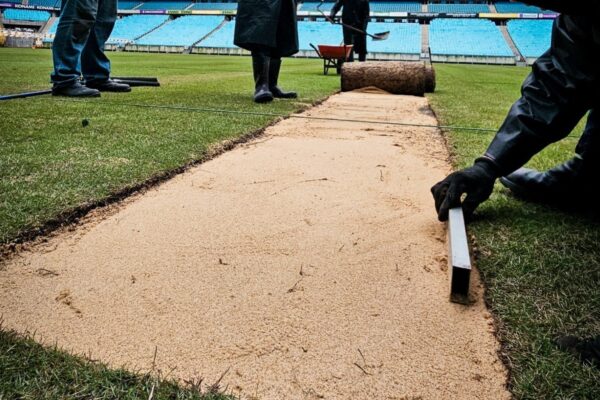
column 267, row 25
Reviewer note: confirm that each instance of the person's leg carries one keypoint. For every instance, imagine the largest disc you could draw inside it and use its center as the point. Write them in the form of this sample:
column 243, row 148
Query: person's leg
column 360, row 46
column 261, row 61
column 275, row 62
column 349, row 40
column 95, row 65
column 76, row 21
column 569, row 183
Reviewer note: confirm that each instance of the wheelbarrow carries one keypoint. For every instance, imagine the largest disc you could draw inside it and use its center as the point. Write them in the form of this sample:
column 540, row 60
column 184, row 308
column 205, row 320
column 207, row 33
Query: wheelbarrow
column 333, row 56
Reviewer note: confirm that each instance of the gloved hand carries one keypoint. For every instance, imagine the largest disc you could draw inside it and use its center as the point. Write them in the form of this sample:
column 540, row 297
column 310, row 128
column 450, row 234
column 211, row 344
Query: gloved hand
column 476, row 181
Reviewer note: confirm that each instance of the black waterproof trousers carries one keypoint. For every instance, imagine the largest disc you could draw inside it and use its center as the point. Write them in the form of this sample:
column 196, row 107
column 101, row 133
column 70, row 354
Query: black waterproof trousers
column 562, row 88
column 267, row 26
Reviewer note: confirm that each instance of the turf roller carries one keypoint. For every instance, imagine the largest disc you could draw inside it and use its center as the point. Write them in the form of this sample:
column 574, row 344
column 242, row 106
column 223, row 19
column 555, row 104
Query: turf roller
column 397, row 77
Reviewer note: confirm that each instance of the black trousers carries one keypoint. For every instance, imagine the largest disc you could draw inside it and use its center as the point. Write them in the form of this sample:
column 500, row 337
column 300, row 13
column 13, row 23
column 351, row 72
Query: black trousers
column 358, row 40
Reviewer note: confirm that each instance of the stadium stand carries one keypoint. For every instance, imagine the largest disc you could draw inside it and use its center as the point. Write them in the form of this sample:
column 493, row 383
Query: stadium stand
column 318, row 33
column 406, row 38
column 458, row 8
column 312, row 6
column 182, row 31
column 508, row 7
column 127, row 5
column 45, row 3
column 215, row 6
column 12, row 1
column 223, row 38
column 165, row 5
column 129, row 28
column 395, row 6
column 18, row 14
column 467, row 37
column 532, row 37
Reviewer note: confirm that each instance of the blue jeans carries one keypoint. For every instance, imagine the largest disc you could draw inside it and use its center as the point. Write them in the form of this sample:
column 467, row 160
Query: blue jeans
column 78, row 47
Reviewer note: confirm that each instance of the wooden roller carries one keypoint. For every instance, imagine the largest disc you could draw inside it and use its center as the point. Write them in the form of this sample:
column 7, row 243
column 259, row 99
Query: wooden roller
column 397, row 77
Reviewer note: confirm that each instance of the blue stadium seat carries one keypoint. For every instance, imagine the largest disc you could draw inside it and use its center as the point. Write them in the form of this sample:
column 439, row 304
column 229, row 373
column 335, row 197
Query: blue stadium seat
column 467, row 37
column 318, row 33
column 26, row 15
column 14, row 1
column 127, row 5
column 532, row 37
column 215, row 6
column 459, row 8
column 508, row 7
column 395, row 6
column 165, row 5
column 129, row 28
column 183, row 31
column 223, row 38
column 404, row 38
column 312, row 6
column 45, row 3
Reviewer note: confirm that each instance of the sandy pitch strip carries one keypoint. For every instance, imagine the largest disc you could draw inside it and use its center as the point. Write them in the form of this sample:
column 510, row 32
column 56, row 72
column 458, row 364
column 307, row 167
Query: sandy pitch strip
column 309, row 262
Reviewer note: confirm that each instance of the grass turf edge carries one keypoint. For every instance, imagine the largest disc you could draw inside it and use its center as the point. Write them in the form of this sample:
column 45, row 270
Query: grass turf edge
column 73, row 216
column 29, row 370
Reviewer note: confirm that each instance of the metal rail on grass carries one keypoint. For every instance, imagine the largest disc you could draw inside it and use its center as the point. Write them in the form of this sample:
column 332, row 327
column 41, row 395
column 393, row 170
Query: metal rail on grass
column 459, row 259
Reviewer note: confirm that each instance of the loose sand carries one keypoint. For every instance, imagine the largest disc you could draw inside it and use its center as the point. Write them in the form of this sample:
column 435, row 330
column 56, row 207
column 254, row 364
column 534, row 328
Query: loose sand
column 309, row 263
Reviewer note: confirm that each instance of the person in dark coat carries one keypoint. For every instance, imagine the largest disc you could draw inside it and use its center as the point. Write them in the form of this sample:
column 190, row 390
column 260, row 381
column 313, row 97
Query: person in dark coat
column 269, row 30
column 355, row 13
column 78, row 49
column 563, row 87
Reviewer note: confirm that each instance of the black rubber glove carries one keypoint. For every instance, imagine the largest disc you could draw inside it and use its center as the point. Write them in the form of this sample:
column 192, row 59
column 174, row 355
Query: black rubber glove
column 476, row 181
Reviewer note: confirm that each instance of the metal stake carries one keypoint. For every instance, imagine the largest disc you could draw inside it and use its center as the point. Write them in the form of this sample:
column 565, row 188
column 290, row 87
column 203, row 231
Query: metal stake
column 459, row 259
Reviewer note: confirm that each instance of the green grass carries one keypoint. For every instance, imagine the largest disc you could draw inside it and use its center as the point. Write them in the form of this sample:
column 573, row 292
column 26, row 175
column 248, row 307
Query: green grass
column 541, row 266
column 50, row 163
column 29, row 371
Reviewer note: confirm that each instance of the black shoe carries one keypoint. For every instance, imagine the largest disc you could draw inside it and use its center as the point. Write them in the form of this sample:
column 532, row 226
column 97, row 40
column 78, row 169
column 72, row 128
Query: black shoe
column 566, row 183
column 260, row 66
column 274, row 77
column 588, row 351
column 75, row 90
column 109, row 86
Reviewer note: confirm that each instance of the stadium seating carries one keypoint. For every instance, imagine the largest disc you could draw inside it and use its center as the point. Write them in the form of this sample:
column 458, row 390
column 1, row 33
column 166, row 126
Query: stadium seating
column 532, row 37
column 129, row 28
column 312, row 6
column 458, row 8
column 223, row 38
column 405, row 38
column 26, row 15
column 395, row 6
column 318, row 33
column 467, row 37
column 215, row 6
column 12, row 1
column 508, row 7
column 127, row 5
column 165, row 5
column 45, row 3
column 182, row 31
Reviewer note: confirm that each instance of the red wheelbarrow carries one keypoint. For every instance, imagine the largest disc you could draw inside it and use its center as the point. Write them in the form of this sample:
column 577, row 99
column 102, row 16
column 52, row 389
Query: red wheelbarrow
column 333, row 56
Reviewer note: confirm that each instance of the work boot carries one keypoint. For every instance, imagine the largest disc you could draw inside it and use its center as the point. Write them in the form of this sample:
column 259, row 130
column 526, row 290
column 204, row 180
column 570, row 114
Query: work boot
column 109, row 86
column 568, row 183
column 75, row 90
column 587, row 350
column 260, row 66
column 274, row 77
